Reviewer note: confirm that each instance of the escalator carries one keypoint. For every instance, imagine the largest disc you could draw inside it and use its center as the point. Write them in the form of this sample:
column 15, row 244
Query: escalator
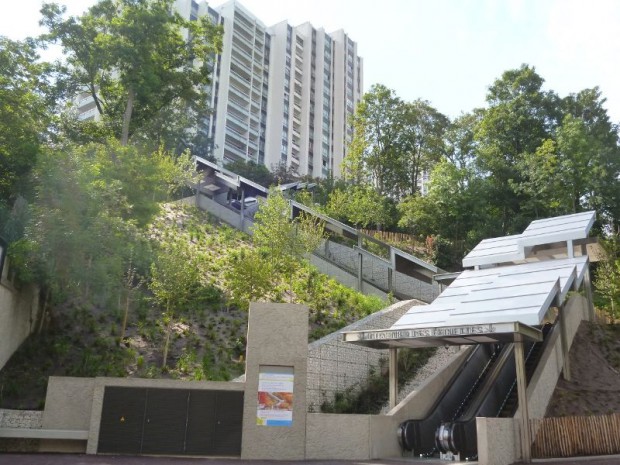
column 496, row 398
column 419, row 435
column 484, row 386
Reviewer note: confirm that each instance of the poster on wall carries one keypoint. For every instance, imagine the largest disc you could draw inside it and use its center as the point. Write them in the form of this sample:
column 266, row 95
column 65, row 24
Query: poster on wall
column 275, row 396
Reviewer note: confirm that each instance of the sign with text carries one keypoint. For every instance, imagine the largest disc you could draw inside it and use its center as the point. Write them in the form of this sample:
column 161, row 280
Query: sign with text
column 275, row 396
column 466, row 330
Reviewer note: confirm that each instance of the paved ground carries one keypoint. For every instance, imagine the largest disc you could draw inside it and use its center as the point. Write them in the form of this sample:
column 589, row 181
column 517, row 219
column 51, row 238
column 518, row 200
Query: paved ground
column 77, row 459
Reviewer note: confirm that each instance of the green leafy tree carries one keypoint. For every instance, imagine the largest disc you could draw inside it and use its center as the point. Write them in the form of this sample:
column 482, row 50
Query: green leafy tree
column 373, row 152
column 284, row 240
column 421, row 144
column 24, row 115
column 253, row 171
column 144, row 66
column 519, row 118
column 174, row 282
column 88, row 216
column 607, row 277
column 250, row 276
column 361, row 206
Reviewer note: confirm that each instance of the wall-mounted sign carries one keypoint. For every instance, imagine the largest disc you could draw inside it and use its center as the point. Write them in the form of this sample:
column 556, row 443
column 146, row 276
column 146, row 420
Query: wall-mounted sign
column 275, row 396
column 466, row 330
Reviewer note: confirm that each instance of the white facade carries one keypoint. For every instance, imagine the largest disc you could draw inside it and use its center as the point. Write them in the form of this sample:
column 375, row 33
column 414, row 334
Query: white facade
column 283, row 94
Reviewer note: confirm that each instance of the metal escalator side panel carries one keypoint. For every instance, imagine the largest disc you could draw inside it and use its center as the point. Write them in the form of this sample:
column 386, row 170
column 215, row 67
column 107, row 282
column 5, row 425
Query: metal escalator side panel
column 419, row 435
column 497, row 381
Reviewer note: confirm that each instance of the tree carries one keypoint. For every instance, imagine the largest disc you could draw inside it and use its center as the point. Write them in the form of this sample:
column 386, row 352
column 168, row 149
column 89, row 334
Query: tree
column 607, row 281
column 421, row 144
column 361, row 206
column 175, row 280
column 373, row 150
column 394, row 143
column 88, row 217
column 143, row 64
column 24, row 115
column 250, row 277
column 519, row 118
column 284, row 240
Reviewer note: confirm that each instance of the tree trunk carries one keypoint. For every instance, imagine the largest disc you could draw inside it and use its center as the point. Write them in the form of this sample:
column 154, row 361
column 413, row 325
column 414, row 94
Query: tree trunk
column 124, row 326
column 127, row 116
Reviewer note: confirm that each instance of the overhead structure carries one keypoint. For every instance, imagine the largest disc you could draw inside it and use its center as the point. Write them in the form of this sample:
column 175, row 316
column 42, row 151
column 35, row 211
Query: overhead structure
column 514, row 283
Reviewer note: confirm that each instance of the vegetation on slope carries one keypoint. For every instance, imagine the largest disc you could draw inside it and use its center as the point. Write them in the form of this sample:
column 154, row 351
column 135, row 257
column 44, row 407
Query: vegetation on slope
column 205, row 329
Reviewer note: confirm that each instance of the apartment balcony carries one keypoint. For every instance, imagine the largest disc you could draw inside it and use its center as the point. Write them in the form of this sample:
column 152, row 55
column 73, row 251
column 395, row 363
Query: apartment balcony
column 234, row 126
column 241, row 59
column 85, row 101
column 240, row 89
column 235, row 143
column 240, row 73
column 89, row 115
column 243, row 32
column 242, row 46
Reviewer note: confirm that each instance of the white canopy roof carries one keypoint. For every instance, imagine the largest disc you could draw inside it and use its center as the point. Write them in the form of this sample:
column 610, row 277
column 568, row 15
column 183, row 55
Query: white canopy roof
column 546, row 231
column 495, row 295
column 504, row 298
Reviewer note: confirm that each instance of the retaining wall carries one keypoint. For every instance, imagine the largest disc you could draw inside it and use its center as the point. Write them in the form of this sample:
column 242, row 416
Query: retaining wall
column 335, row 365
column 19, row 311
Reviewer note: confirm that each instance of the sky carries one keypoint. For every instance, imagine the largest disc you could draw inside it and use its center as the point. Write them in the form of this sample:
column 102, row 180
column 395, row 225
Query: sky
column 447, row 52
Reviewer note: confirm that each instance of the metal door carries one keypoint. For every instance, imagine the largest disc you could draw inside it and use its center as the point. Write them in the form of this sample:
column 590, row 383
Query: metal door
column 122, row 419
column 165, row 422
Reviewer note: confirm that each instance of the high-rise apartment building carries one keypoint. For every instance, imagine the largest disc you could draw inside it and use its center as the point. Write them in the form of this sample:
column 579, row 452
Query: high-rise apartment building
column 280, row 95
column 283, row 94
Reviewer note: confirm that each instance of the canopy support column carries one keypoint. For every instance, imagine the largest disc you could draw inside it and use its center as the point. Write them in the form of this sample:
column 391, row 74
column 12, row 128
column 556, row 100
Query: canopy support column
column 587, row 284
column 526, row 441
column 393, row 369
column 564, row 337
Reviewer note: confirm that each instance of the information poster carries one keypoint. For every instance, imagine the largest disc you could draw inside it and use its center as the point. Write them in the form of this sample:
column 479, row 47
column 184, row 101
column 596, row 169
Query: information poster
column 275, row 396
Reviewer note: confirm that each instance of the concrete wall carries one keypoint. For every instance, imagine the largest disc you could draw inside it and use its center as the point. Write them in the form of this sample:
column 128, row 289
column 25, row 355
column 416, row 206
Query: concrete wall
column 228, row 215
column 343, row 276
column 334, row 365
column 338, row 437
column 20, row 419
column 375, row 271
column 277, row 336
column 19, row 311
column 68, row 405
column 498, row 441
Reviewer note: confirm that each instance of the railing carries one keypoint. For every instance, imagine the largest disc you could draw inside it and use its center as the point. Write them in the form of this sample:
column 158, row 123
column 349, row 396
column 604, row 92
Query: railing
column 576, row 436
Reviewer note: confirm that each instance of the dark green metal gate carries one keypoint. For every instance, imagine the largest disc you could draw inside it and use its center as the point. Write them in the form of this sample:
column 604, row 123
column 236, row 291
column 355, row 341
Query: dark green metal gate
column 171, row 422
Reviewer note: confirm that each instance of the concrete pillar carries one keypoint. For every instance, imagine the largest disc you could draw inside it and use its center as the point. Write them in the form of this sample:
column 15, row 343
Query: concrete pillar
column 587, row 286
column 277, row 343
column 524, row 420
column 393, row 367
column 564, row 340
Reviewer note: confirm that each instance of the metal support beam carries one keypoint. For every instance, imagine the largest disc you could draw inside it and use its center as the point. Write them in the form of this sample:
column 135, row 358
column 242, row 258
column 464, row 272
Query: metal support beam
column 564, row 340
column 393, row 368
column 526, row 440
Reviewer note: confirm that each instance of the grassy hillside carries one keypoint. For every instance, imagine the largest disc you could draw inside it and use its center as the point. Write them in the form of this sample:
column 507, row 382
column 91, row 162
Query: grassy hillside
column 207, row 330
